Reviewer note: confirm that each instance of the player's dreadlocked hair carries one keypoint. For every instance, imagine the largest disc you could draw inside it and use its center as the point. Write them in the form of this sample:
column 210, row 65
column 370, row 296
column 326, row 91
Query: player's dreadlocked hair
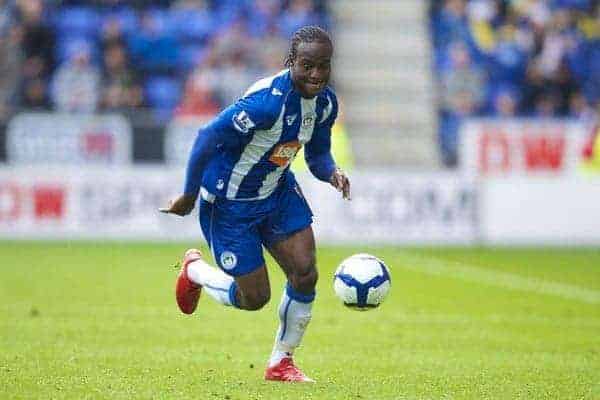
column 305, row 34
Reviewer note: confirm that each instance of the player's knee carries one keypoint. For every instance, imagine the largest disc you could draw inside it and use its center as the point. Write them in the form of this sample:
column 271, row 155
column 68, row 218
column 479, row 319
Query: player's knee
column 306, row 280
column 256, row 300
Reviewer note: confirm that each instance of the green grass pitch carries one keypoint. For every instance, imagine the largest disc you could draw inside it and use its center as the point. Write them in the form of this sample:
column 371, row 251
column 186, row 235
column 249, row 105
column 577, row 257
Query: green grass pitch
column 89, row 320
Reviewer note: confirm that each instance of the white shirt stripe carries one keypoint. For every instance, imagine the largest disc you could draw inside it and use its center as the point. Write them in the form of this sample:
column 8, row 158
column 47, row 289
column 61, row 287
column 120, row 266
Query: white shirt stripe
column 307, row 124
column 261, row 143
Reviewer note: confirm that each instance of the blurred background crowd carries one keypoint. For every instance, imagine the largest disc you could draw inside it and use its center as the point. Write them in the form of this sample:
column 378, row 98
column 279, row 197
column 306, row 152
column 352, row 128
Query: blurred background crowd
column 506, row 58
column 490, row 58
column 182, row 57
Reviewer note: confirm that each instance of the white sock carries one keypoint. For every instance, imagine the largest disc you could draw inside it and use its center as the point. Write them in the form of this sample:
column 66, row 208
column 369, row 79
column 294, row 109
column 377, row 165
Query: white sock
column 215, row 282
column 295, row 311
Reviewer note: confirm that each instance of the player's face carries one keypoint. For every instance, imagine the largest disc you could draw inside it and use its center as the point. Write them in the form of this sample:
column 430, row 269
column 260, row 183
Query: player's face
column 311, row 68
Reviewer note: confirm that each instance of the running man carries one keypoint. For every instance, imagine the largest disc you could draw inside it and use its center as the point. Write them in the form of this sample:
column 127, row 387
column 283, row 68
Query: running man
column 239, row 165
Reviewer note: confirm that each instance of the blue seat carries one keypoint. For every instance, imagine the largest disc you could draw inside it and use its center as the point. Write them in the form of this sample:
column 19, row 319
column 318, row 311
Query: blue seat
column 190, row 56
column 162, row 93
column 67, row 45
column 193, row 25
column 82, row 21
column 161, row 21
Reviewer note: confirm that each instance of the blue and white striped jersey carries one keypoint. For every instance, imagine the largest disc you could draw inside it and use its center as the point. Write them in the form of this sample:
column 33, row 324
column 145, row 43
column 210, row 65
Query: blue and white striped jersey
column 258, row 138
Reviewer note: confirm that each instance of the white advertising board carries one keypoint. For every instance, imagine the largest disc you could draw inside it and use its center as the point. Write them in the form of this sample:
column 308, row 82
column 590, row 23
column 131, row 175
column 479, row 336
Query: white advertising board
column 555, row 211
column 44, row 138
column 396, row 208
column 100, row 204
column 179, row 138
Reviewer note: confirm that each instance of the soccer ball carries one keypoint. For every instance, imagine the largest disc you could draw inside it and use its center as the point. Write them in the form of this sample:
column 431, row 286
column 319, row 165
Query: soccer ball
column 362, row 281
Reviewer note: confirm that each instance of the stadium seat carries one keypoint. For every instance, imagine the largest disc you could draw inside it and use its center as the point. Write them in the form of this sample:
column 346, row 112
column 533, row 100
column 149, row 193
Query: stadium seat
column 192, row 24
column 82, row 21
column 67, row 45
column 190, row 56
column 163, row 94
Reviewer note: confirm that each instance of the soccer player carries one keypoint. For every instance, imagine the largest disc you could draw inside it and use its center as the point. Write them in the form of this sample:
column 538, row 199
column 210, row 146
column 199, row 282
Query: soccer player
column 239, row 165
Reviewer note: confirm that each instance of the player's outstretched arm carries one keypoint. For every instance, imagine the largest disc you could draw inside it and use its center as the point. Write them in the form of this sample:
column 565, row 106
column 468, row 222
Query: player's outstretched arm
column 183, row 205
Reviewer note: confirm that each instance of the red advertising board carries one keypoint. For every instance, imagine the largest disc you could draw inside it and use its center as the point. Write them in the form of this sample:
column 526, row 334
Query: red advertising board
column 522, row 147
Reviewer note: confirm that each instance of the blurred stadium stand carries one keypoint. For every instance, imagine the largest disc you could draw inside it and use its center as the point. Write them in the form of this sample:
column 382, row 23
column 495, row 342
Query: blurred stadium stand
column 155, row 60
column 499, row 58
column 137, row 57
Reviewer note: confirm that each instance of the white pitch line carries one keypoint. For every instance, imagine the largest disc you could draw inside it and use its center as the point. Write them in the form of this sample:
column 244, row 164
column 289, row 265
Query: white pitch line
column 507, row 280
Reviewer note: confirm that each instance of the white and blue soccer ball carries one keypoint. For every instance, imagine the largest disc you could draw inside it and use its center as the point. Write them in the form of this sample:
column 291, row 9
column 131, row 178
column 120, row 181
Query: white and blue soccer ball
column 362, row 281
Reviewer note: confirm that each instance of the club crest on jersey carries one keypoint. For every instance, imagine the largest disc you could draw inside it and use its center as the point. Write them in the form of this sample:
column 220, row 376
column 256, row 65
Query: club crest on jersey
column 228, row 260
column 308, row 120
column 242, row 122
column 284, row 153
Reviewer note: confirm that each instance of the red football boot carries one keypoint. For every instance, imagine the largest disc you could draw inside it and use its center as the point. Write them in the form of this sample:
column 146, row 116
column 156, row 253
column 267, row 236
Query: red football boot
column 186, row 291
column 286, row 371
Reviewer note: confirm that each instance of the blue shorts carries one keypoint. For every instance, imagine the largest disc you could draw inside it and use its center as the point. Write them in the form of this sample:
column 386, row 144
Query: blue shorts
column 237, row 230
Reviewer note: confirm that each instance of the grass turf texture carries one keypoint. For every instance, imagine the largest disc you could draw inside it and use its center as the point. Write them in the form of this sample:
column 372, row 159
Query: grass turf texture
column 84, row 320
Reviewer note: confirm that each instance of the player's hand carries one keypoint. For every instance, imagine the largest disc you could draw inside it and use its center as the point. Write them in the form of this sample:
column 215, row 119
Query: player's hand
column 183, row 205
column 340, row 181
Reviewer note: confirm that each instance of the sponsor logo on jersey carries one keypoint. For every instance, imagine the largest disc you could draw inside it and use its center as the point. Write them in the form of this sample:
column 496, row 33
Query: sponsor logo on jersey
column 228, row 260
column 276, row 92
column 290, row 119
column 220, row 184
column 284, row 153
column 308, row 120
column 242, row 122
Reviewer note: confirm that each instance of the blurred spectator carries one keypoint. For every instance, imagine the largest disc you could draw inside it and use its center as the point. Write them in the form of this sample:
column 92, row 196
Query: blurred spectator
column 120, row 88
column 450, row 24
column 298, row 14
column 38, row 58
column 580, row 108
column 263, row 15
column 10, row 68
column 6, row 17
column 38, row 40
column 272, row 51
column 35, row 95
column 198, row 96
column 506, row 102
column 546, row 106
column 112, row 32
column 462, row 94
column 235, row 63
column 462, row 78
column 76, row 84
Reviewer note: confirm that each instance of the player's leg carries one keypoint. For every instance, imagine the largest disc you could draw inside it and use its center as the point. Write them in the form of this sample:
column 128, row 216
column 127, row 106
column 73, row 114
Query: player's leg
column 296, row 256
column 253, row 289
column 250, row 291
column 241, row 281
column 290, row 240
column 196, row 274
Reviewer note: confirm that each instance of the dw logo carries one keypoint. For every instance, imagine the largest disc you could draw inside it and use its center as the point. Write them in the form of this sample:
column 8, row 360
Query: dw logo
column 228, row 260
